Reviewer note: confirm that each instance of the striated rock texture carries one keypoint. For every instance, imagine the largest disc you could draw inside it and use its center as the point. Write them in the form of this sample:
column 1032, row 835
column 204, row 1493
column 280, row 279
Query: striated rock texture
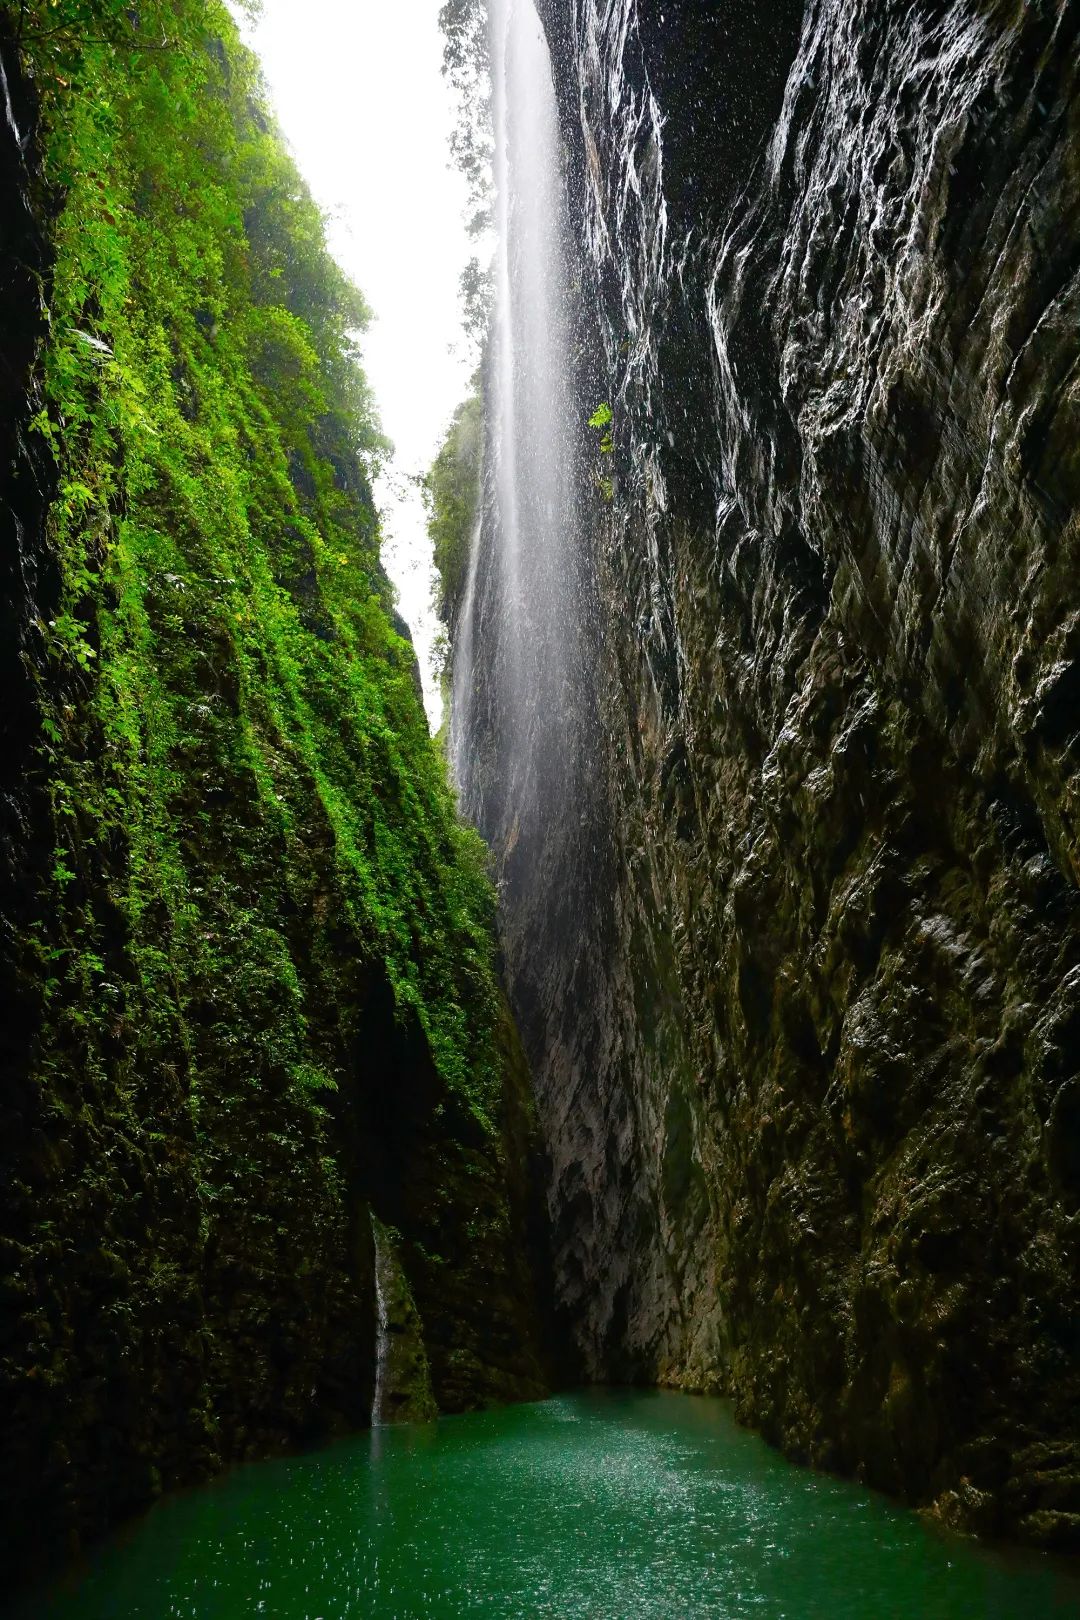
column 245, row 946
column 816, row 1140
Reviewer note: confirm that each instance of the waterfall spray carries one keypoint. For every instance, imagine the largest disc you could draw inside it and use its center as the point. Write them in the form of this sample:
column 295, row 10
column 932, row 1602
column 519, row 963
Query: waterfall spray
column 521, row 584
column 382, row 1328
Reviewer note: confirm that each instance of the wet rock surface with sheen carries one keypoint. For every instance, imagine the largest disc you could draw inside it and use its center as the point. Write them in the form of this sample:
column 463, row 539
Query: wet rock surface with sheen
column 812, row 969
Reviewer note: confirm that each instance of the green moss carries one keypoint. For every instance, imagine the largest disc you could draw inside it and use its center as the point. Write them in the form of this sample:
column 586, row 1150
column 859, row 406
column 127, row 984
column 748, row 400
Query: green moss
column 452, row 491
column 224, row 620
column 253, row 944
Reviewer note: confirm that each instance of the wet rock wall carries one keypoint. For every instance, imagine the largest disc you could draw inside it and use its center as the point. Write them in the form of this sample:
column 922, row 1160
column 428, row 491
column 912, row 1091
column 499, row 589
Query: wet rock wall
column 823, row 1154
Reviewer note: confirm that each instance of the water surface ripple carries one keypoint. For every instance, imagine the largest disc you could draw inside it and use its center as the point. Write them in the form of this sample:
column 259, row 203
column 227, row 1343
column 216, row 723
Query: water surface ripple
column 606, row 1505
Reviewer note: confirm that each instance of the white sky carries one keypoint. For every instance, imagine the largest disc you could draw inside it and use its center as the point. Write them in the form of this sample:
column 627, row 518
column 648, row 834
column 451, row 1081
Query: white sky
column 357, row 89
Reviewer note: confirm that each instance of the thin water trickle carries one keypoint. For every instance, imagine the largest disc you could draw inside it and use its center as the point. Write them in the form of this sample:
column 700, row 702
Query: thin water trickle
column 9, row 110
column 464, row 667
column 382, row 1329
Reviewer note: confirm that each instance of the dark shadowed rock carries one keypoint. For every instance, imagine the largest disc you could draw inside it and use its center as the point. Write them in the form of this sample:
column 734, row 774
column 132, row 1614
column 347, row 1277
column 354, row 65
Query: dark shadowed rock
column 804, row 997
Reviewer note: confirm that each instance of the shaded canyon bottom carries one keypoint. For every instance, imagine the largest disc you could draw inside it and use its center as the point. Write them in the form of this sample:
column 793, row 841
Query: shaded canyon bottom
column 601, row 1505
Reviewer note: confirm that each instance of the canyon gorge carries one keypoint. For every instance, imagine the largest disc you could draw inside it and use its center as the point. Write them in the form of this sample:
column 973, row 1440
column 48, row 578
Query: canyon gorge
column 745, row 1059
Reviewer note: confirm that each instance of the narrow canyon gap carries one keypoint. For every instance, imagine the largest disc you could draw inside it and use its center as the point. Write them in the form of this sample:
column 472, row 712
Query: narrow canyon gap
column 757, row 1070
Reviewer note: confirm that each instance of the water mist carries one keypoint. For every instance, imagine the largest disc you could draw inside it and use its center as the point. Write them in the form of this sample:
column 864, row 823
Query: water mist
column 522, row 593
column 525, row 718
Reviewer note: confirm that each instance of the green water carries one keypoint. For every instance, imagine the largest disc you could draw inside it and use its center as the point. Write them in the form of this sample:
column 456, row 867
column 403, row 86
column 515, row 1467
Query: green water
column 604, row 1506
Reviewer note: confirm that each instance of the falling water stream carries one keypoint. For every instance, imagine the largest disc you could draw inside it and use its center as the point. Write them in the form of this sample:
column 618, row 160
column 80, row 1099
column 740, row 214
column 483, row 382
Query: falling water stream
column 603, row 1505
column 524, row 601
column 382, row 1329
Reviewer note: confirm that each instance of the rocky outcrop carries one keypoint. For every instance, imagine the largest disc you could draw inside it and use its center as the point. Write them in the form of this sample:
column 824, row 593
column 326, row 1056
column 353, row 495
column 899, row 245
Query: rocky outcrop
column 813, row 976
column 402, row 1375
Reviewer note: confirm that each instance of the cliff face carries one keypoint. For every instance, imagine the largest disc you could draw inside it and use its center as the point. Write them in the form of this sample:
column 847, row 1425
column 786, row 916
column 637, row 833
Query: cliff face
column 249, row 996
column 816, row 1141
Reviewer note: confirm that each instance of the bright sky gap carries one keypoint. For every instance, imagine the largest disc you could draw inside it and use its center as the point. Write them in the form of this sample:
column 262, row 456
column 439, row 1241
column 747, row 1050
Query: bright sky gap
column 358, row 91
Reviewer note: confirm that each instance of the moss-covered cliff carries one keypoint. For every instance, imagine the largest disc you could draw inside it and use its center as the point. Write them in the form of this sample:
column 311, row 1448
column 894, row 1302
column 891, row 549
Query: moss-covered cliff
column 452, row 489
column 249, row 989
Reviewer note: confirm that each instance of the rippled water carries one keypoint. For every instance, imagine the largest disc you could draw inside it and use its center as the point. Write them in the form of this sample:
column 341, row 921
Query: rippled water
column 604, row 1506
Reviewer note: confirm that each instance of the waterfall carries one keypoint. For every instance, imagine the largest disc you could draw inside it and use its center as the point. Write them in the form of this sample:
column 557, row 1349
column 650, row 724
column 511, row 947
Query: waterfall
column 382, row 1327
column 9, row 110
column 528, row 736
column 516, row 647
column 403, row 1392
column 464, row 669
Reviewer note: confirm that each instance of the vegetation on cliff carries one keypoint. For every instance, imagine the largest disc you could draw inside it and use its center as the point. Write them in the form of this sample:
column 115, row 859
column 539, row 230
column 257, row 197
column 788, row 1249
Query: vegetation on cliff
column 253, row 949
column 467, row 69
column 452, row 483
column 216, row 441
column 451, row 492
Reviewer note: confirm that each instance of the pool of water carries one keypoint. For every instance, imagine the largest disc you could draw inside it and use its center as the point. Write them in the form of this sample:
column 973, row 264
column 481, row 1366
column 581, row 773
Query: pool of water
column 606, row 1505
